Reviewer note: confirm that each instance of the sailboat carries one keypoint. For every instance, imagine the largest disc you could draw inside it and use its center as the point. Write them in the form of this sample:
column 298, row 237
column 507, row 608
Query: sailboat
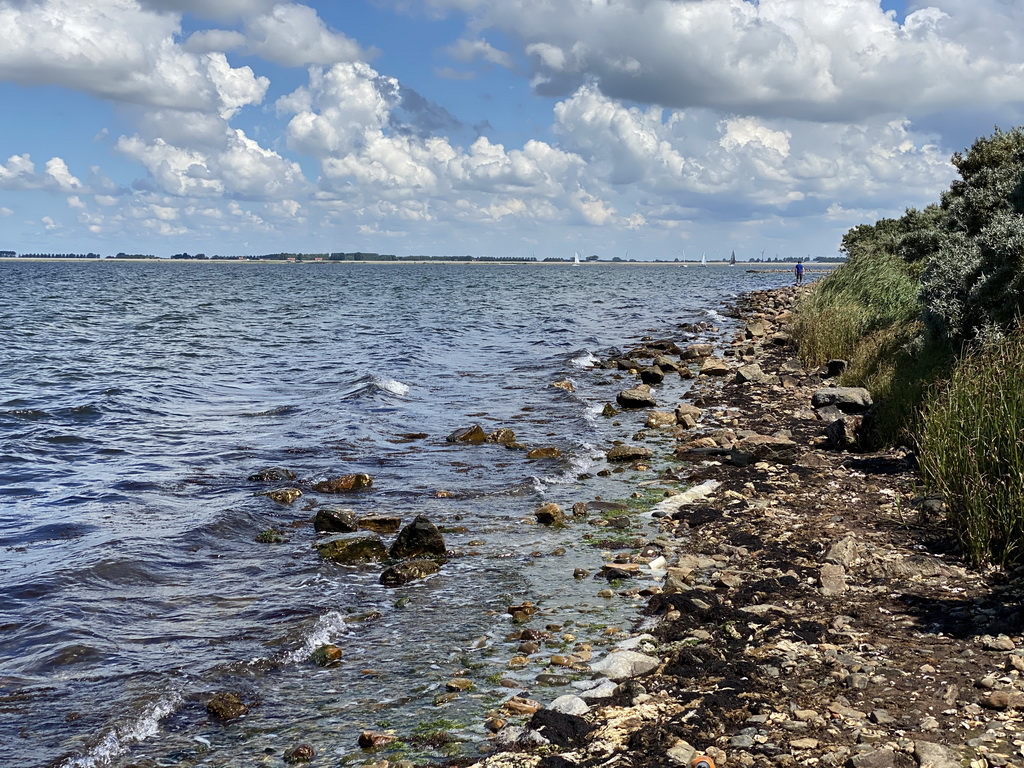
column 576, row 259
column 732, row 259
column 704, row 259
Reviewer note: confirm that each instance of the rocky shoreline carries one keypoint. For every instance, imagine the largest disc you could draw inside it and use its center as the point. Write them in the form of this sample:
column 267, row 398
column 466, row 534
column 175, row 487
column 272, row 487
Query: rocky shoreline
column 811, row 608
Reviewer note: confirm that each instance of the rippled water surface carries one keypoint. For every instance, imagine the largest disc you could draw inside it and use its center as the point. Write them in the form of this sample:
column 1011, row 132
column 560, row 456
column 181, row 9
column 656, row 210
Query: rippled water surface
column 137, row 398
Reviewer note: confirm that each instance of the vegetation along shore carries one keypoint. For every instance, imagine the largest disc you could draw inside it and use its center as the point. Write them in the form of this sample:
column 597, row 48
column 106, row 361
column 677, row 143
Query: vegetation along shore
column 845, row 587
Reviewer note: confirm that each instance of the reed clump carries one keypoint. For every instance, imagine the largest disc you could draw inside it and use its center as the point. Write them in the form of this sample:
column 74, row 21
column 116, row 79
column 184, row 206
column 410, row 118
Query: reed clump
column 972, row 449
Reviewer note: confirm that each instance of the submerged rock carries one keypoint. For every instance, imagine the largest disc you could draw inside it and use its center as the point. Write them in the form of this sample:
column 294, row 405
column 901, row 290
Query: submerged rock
column 420, row 537
column 409, row 571
column 302, row 753
column 364, row 549
column 471, row 434
column 283, row 495
column 226, row 706
column 503, row 436
column 343, row 484
column 548, row 452
column 272, row 475
column 380, row 523
column 326, row 655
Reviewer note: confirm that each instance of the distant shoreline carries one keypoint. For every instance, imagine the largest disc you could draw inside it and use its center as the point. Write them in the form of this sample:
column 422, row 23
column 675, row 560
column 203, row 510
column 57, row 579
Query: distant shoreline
column 759, row 266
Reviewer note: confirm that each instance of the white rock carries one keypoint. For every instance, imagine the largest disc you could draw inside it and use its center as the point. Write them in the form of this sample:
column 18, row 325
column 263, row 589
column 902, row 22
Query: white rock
column 570, row 705
column 622, row 665
column 603, row 691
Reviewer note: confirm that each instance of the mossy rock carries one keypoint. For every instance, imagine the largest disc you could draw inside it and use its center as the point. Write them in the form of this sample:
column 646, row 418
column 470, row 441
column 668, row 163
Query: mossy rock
column 363, row 549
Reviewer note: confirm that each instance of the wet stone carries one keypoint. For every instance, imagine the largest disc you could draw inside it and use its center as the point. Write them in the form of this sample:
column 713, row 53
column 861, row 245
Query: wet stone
column 226, row 706
column 343, row 484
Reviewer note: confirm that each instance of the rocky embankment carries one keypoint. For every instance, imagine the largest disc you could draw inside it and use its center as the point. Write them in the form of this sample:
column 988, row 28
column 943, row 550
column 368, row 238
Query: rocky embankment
column 812, row 610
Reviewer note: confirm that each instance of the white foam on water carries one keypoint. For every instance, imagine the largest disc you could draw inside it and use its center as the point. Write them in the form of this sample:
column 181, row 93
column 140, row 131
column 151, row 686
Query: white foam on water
column 326, row 630
column 581, row 461
column 393, row 386
column 586, row 359
column 120, row 738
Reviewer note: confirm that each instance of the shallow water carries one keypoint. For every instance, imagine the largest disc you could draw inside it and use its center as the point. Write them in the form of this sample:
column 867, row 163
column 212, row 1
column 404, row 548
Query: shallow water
column 137, row 399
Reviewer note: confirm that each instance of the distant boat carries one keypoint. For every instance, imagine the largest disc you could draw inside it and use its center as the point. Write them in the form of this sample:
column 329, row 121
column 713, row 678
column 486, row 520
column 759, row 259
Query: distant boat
column 576, row 259
column 704, row 259
column 732, row 259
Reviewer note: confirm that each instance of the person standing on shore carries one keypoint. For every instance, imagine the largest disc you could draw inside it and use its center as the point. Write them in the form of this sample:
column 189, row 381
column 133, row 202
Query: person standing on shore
column 798, row 270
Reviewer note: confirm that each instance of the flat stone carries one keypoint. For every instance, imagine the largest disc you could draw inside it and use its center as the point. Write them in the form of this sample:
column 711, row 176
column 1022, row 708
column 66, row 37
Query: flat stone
column 846, row 399
column 832, row 579
column 622, row 665
column 929, row 755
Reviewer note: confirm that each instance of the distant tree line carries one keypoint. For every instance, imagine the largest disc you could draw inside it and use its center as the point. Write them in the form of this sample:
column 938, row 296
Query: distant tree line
column 54, row 255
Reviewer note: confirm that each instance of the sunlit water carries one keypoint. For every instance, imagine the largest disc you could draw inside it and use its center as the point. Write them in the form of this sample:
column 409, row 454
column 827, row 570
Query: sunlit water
column 136, row 400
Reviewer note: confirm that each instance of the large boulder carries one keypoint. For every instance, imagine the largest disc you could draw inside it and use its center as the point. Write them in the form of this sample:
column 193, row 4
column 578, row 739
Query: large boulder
column 637, row 397
column 846, row 399
column 409, row 571
column 343, row 484
column 622, row 665
column 550, row 514
column 652, row 375
column 357, row 550
column 420, row 538
column 714, row 366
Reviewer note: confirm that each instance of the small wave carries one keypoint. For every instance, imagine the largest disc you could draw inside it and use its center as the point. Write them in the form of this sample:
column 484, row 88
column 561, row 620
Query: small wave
column 580, row 461
column 373, row 385
column 716, row 317
column 120, row 738
column 281, row 410
column 585, row 359
column 328, row 628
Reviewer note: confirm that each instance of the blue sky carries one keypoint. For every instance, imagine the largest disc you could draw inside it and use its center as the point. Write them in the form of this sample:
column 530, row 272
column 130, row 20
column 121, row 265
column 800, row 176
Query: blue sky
column 664, row 128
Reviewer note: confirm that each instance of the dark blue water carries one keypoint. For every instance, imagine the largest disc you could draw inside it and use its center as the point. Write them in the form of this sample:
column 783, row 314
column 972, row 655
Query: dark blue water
column 135, row 400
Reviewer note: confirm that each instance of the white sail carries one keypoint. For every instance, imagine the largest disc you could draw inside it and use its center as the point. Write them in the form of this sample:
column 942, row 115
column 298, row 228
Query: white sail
column 576, row 258
column 704, row 259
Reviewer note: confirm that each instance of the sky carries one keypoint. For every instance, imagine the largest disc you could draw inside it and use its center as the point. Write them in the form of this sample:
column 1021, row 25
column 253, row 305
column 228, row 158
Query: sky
column 646, row 129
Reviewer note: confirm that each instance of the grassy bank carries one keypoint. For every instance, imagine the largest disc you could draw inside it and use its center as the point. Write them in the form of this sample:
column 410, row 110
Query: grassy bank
column 926, row 311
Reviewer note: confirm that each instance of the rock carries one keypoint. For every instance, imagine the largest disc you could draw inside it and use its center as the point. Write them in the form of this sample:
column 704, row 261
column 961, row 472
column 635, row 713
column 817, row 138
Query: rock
column 609, row 411
column 283, row 495
column 697, row 351
column 603, row 690
column 519, row 705
column 714, row 366
column 658, row 419
column 833, row 368
column 685, row 409
column 570, row 705
column 666, row 364
column 804, row 744
column 363, row 549
column 550, row 514
column 419, row 538
column 844, row 432
column 881, row 757
column 637, row 397
column 460, row 684
column 832, row 579
column 549, row 452
column 681, row 753
column 755, row 330
column 303, row 753
column 503, row 436
column 1000, row 643
column 1004, row 700
column 409, row 571
column 380, row 523
column 622, row 665
column 226, row 706
column 343, row 484
column 845, row 552
column 472, row 434
column 375, row 739
column 754, row 448
column 272, row 475
column 931, row 755
column 652, row 375
column 752, row 374
column 335, row 520
column 628, row 453
column 564, row 384
column 326, row 655
column 846, row 399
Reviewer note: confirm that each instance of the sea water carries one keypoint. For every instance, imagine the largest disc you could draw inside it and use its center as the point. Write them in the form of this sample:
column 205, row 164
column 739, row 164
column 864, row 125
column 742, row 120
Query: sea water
column 137, row 398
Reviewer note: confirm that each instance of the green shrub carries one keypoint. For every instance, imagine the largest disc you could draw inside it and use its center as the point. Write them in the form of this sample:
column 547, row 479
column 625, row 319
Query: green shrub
column 972, row 453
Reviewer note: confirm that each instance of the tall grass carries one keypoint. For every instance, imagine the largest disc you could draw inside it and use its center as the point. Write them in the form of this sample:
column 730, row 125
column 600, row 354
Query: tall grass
column 867, row 313
column 972, row 450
